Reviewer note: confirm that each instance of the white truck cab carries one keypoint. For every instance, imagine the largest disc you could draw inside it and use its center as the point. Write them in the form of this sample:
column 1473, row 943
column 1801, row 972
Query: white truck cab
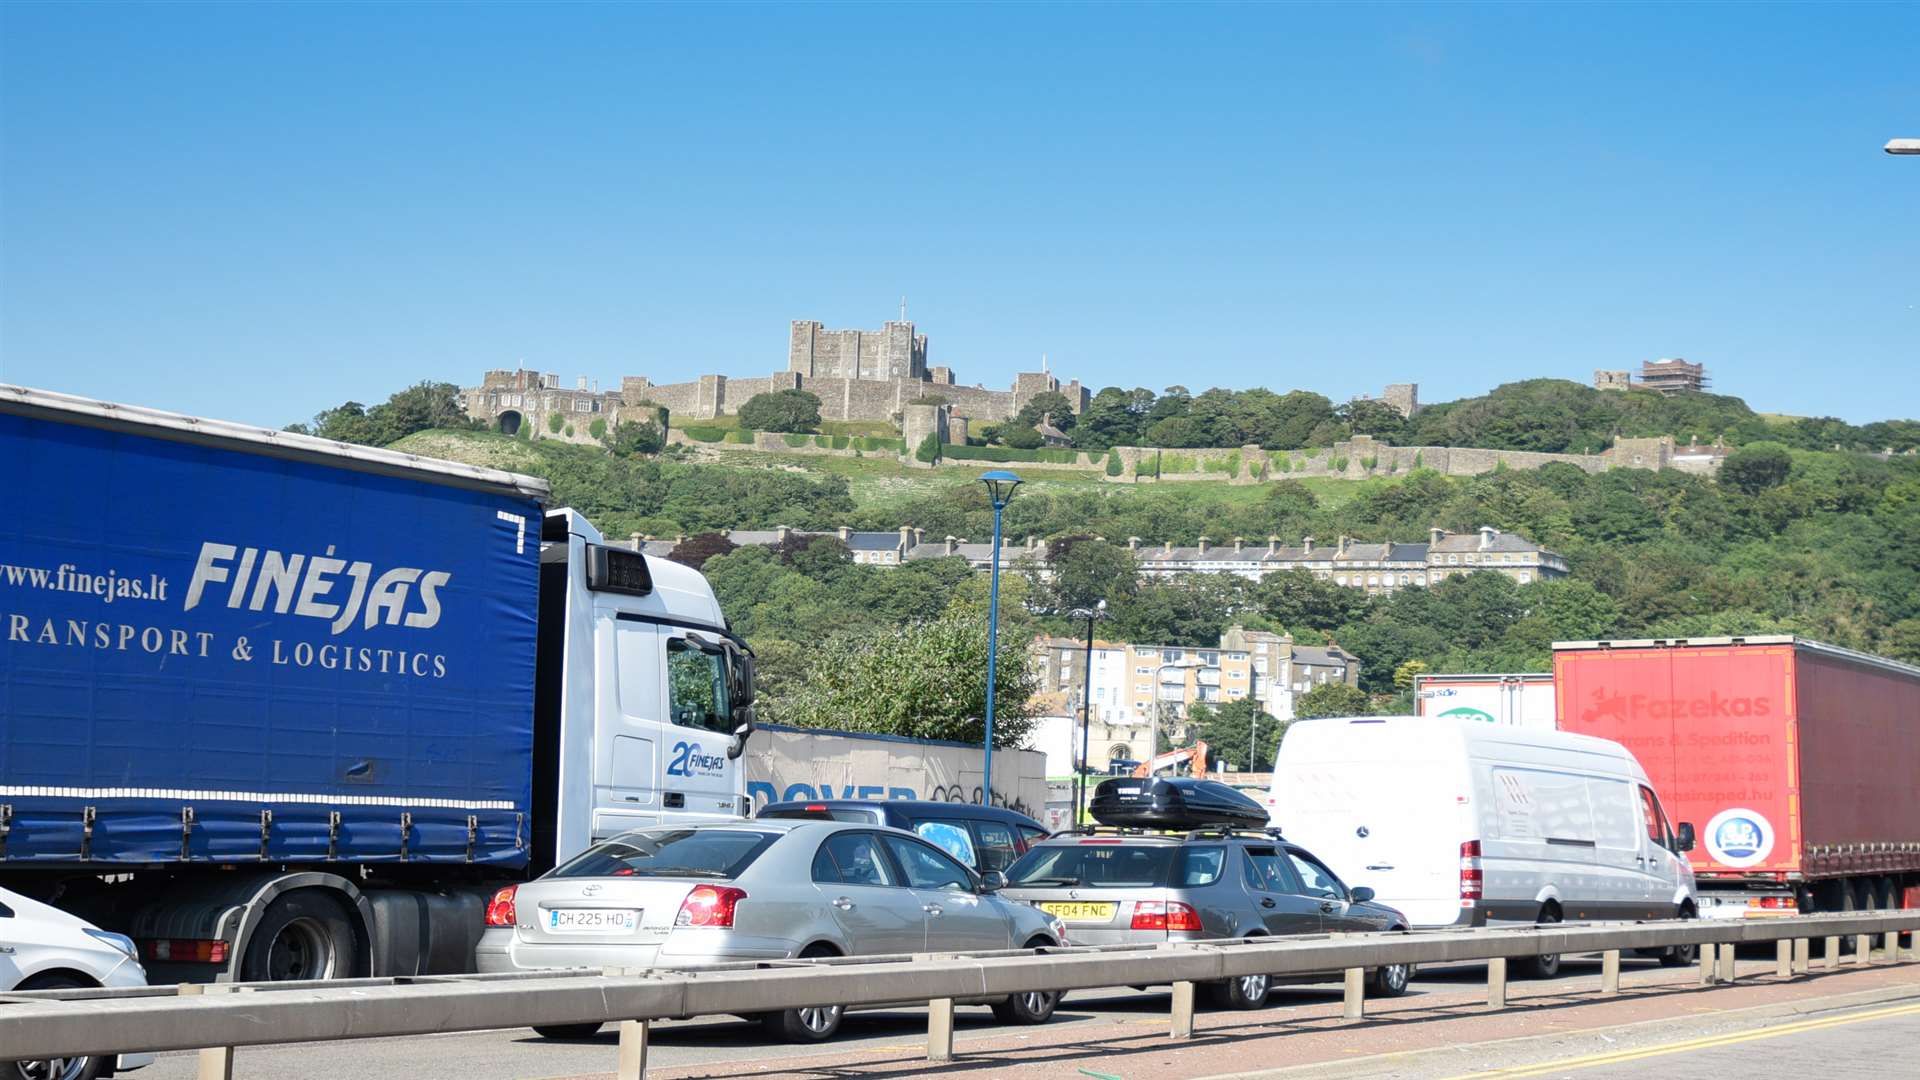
column 652, row 691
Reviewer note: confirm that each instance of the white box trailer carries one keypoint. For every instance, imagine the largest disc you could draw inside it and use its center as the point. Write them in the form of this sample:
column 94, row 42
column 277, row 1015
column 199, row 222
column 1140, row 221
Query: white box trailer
column 1522, row 700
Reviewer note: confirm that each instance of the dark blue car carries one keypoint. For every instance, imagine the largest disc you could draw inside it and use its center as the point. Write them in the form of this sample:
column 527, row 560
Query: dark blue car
column 983, row 837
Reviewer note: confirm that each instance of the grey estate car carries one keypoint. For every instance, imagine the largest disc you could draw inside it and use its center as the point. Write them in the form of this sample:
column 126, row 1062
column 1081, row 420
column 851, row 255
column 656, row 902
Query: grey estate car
column 1113, row 887
column 688, row 896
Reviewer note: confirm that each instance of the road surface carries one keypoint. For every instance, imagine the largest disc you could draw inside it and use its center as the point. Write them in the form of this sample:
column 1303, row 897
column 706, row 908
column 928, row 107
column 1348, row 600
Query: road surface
column 1440, row 1030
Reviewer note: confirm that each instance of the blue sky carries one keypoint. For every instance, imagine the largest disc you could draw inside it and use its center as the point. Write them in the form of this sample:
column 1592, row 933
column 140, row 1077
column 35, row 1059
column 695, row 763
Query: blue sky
column 255, row 212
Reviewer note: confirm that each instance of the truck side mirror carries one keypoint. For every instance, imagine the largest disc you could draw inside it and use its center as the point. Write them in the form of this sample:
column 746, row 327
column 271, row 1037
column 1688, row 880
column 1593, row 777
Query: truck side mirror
column 743, row 719
column 1684, row 839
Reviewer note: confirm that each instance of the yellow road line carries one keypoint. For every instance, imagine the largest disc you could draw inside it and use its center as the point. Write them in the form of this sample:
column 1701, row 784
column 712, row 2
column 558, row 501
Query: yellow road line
column 1709, row 1042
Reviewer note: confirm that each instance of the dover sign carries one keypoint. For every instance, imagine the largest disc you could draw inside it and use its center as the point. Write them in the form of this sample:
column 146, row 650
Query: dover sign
column 785, row 763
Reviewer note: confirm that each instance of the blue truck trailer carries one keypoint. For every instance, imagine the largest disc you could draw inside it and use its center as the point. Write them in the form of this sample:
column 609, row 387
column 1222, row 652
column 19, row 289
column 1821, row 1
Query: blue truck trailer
column 278, row 707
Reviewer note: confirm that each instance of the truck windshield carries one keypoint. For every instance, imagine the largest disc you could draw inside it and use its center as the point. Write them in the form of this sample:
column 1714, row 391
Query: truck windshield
column 1094, row 865
column 702, row 853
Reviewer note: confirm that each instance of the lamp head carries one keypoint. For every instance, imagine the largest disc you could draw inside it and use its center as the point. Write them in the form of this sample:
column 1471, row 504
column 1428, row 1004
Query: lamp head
column 1000, row 484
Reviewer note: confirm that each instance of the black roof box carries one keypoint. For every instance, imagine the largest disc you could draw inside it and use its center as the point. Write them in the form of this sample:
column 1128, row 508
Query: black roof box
column 1162, row 803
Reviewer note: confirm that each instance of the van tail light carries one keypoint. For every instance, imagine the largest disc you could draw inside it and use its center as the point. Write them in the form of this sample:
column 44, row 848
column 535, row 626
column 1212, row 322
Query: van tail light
column 1170, row 915
column 1472, row 883
column 709, row 905
column 500, row 909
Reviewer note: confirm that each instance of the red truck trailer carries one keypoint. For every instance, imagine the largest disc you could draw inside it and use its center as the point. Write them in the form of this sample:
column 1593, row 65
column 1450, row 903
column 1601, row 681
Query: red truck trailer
column 1798, row 763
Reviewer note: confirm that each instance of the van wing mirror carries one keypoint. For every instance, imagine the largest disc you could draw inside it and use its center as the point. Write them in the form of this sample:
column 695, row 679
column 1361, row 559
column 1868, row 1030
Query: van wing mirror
column 1683, row 839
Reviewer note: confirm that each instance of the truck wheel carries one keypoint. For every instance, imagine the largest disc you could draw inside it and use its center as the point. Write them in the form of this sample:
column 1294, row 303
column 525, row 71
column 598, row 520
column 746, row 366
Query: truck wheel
column 68, row 1068
column 305, row 934
column 1546, row 965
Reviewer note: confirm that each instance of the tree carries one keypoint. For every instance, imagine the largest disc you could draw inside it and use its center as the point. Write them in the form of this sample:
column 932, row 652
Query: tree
column 1331, row 699
column 695, row 550
column 1021, row 437
column 1299, row 599
column 423, row 406
column 1405, row 674
column 1371, row 416
column 1756, row 467
column 1229, row 729
column 1050, row 405
column 631, row 437
column 919, row 681
column 928, row 450
column 1082, row 571
column 781, row 410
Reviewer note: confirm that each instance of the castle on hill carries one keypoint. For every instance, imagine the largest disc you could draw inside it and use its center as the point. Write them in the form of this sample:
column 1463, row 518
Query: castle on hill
column 870, row 375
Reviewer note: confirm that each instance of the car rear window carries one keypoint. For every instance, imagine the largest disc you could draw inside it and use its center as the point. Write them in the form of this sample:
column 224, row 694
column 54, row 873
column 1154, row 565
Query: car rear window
column 691, row 853
column 1095, row 865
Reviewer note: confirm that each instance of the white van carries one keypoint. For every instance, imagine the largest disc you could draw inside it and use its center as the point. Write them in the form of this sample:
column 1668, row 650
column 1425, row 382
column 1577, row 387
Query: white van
column 1463, row 823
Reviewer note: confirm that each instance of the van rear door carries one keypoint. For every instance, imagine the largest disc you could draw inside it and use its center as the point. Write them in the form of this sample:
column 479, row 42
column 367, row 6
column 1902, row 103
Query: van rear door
column 1391, row 817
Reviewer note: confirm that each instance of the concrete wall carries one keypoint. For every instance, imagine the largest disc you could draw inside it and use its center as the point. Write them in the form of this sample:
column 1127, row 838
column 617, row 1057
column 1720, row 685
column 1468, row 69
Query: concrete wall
column 1348, row 459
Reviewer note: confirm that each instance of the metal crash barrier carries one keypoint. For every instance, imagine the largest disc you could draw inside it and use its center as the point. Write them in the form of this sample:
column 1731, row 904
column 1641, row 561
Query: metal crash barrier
column 219, row 1018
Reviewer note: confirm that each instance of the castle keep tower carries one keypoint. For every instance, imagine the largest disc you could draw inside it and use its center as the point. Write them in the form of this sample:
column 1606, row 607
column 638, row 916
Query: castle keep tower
column 892, row 352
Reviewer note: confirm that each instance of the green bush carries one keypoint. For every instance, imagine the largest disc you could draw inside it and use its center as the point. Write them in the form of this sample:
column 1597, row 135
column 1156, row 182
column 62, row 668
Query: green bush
column 1007, row 453
column 555, row 422
column 1283, row 461
column 874, row 444
column 1114, row 467
column 1338, row 464
column 1369, row 462
column 840, row 442
column 824, row 442
column 569, row 431
column 705, row 434
column 797, row 441
column 739, row 436
column 1176, row 464
column 598, row 429
column 1419, row 458
column 929, row 451
column 1259, row 471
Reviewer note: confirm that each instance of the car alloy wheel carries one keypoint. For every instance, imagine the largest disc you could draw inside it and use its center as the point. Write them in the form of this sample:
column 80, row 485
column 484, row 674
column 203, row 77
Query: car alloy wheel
column 820, row 1020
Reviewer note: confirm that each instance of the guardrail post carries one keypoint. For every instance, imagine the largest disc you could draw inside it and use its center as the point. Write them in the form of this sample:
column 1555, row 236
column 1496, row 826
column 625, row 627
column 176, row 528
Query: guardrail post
column 1726, row 962
column 1610, row 971
column 1913, row 953
column 1802, row 955
column 1497, row 983
column 216, row 1062
column 940, row 1029
column 1833, row 953
column 1892, row 945
column 1182, row 1010
column 633, row 1050
column 1356, row 1003
column 1783, row 959
column 1862, row 948
column 1708, row 963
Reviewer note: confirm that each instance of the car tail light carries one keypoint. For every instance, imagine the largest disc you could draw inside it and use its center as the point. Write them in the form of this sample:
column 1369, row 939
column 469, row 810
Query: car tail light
column 1472, row 883
column 1170, row 915
column 500, row 910
column 709, row 905
column 186, row 950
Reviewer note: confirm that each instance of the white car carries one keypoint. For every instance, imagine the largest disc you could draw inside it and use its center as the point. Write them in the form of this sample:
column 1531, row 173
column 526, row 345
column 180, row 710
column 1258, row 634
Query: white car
column 44, row 948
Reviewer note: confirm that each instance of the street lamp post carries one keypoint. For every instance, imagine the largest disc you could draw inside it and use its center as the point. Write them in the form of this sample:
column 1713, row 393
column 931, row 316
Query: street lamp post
column 1086, row 698
column 1000, row 484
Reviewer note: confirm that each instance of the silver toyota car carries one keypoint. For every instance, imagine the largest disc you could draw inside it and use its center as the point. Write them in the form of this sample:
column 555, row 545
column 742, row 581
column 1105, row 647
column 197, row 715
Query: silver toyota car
column 689, row 896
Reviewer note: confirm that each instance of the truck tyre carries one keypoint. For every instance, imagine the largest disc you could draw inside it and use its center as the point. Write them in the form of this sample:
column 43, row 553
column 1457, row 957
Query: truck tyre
column 305, row 934
column 1546, row 965
column 569, row 1032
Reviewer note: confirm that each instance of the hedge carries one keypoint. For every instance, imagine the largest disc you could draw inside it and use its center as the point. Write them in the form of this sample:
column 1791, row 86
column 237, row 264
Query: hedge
column 738, row 435
column 1007, row 453
column 796, row 440
column 1176, row 464
column 705, row 434
column 1114, row 468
